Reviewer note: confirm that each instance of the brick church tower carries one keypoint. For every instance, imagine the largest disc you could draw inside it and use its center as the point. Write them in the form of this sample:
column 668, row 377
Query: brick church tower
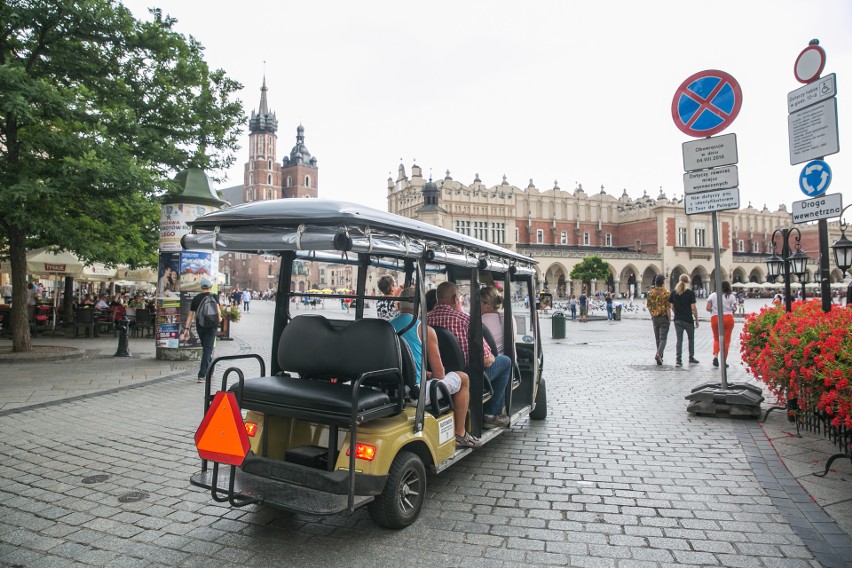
column 262, row 176
column 299, row 170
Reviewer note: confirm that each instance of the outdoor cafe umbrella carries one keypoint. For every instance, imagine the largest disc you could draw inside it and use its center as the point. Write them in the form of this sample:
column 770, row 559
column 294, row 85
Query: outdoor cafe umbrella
column 128, row 274
column 44, row 262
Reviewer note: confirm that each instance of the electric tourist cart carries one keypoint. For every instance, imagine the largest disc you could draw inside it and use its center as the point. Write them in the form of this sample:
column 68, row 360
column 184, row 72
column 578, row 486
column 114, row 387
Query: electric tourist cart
column 285, row 438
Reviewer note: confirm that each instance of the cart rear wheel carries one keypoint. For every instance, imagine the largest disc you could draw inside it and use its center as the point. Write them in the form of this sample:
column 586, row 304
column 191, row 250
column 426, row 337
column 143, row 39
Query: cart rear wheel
column 540, row 411
column 402, row 498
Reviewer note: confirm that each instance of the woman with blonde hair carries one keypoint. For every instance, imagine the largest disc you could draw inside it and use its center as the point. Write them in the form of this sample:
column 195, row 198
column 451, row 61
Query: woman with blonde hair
column 685, row 311
column 491, row 301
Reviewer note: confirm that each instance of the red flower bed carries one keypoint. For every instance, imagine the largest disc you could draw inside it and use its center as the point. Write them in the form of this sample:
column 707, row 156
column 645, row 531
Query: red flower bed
column 805, row 354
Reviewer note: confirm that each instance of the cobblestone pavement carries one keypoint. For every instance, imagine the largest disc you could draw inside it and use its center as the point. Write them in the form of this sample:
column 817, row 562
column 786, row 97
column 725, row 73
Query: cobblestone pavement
column 97, row 452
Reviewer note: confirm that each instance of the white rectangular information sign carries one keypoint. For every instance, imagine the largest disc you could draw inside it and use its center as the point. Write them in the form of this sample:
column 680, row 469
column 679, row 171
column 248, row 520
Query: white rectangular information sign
column 812, row 93
column 709, row 201
column 708, row 180
column 710, row 152
column 822, row 207
column 813, row 132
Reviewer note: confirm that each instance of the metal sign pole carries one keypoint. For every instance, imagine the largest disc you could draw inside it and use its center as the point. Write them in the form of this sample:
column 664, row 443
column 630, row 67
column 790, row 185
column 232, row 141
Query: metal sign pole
column 720, row 318
column 824, row 268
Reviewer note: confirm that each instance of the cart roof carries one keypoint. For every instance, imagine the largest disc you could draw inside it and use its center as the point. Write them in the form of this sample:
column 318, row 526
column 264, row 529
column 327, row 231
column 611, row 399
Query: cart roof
column 269, row 227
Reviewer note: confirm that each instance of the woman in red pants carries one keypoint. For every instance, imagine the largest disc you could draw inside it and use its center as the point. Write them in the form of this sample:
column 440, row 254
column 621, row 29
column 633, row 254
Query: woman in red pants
column 729, row 304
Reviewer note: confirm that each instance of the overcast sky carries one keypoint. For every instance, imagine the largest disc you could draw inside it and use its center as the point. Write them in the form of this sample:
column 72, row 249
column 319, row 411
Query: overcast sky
column 574, row 91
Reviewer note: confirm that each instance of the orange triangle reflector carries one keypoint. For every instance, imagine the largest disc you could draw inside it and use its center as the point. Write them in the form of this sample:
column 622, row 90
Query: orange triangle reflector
column 222, row 435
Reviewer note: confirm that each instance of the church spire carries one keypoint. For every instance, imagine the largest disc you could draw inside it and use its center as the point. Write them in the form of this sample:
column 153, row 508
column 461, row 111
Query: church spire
column 263, row 120
column 263, row 109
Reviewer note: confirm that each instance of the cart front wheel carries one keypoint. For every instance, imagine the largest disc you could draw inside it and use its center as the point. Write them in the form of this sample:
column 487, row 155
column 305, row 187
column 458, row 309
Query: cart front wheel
column 540, row 411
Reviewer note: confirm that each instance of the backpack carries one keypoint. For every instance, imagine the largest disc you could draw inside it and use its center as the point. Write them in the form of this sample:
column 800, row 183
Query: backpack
column 207, row 314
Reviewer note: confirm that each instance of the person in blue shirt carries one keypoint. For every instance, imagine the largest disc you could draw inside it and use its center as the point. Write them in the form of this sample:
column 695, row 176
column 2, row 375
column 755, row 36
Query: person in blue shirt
column 457, row 382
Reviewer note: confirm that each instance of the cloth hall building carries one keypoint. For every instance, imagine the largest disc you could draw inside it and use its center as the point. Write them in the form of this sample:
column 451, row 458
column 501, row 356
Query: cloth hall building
column 638, row 238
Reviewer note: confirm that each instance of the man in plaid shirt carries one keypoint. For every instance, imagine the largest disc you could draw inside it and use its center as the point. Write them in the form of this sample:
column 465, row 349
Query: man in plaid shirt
column 659, row 307
column 448, row 313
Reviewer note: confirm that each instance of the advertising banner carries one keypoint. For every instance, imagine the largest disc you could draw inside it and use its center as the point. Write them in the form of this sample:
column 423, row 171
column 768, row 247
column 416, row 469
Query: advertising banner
column 174, row 223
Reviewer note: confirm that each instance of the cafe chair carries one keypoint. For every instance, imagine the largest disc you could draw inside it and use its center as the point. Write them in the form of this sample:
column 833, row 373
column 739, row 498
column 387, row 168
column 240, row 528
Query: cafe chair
column 85, row 318
column 144, row 322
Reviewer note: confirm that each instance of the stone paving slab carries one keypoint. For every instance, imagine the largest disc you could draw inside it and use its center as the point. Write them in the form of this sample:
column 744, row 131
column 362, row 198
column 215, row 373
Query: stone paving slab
column 619, row 475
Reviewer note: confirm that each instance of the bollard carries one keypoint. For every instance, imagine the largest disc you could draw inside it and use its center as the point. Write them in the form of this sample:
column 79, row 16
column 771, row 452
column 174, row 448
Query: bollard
column 123, row 347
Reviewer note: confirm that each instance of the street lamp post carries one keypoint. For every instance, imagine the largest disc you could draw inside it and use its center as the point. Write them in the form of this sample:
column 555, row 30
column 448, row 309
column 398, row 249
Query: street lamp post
column 842, row 249
column 788, row 263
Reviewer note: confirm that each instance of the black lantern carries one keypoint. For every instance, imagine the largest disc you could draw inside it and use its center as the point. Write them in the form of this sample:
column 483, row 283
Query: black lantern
column 799, row 263
column 842, row 252
column 774, row 266
column 788, row 263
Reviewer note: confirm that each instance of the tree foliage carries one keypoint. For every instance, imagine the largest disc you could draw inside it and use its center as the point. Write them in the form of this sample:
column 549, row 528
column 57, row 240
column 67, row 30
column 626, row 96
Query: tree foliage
column 590, row 268
column 97, row 111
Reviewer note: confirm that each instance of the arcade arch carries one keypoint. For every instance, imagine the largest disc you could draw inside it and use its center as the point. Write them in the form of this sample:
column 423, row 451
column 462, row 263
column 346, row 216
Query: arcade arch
column 648, row 277
column 675, row 275
column 556, row 279
column 699, row 280
column 712, row 281
column 629, row 283
column 756, row 275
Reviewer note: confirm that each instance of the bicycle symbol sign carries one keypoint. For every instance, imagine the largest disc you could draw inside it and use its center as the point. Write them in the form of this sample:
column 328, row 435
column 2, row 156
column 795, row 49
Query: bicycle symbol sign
column 706, row 103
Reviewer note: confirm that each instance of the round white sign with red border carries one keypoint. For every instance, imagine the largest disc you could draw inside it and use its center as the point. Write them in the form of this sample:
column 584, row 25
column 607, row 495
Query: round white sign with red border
column 809, row 64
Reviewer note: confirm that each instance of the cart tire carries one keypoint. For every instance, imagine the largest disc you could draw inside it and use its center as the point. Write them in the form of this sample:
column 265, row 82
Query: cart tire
column 540, row 410
column 402, row 498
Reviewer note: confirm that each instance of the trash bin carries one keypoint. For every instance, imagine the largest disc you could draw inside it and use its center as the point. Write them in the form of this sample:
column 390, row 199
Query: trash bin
column 618, row 312
column 557, row 322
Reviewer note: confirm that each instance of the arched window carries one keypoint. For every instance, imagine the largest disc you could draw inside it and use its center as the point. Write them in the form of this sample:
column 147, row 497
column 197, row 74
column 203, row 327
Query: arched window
column 307, row 181
column 269, row 165
column 289, row 181
column 268, row 179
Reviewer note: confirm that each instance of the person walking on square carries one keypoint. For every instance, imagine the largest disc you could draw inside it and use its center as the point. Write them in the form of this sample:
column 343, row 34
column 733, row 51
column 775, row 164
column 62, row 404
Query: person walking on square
column 659, row 307
column 685, row 312
column 729, row 304
column 583, row 300
column 572, row 304
column 246, row 300
column 207, row 328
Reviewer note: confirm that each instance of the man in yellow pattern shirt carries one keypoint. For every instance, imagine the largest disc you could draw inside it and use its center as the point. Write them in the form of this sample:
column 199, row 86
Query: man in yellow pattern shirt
column 659, row 308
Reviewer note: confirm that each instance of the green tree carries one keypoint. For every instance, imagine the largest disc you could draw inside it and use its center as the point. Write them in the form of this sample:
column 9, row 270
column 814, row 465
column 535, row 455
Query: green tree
column 97, row 111
column 591, row 268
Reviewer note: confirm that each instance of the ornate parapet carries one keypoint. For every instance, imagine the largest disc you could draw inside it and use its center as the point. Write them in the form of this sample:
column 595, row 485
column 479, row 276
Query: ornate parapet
column 571, row 252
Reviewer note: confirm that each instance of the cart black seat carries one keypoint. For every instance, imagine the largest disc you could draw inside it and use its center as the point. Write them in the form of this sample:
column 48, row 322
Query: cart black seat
column 332, row 375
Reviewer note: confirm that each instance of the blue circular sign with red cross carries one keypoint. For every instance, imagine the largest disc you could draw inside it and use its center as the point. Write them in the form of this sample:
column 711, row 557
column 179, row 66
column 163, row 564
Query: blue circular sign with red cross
column 706, row 103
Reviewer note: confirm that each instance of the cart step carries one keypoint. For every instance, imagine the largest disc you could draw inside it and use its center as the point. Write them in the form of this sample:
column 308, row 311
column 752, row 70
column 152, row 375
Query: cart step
column 277, row 493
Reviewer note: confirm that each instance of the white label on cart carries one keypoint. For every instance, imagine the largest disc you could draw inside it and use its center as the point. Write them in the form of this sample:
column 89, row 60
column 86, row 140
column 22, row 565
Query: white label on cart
column 446, row 430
